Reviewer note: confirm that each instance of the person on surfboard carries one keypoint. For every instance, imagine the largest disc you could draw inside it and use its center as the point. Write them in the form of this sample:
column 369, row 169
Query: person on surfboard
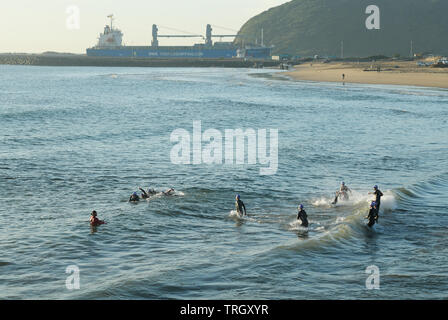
column 302, row 216
column 378, row 194
column 342, row 193
column 373, row 214
column 239, row 206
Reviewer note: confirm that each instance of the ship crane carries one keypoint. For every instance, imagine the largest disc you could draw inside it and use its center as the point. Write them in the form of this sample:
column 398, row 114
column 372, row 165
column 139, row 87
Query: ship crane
column 208, row 36
column 179, row 36
column 155, row 35
column 224, row 36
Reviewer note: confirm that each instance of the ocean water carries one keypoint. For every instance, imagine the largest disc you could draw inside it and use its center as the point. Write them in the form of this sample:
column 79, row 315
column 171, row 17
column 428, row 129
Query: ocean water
column 77, row 139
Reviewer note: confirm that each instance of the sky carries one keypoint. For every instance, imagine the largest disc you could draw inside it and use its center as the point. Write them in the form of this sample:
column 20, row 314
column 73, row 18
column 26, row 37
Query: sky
column 35, row 26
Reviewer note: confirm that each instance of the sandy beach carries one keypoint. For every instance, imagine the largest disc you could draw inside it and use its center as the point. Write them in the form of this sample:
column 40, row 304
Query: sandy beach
column 391, row 73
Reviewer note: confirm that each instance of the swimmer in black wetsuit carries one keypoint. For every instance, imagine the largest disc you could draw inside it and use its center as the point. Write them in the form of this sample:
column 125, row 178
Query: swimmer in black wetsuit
column 134, row 197
column 342, row 193
column 239, row 206
column 147, row 194
column 378, row 194
column 302, row 216
column 373, row 214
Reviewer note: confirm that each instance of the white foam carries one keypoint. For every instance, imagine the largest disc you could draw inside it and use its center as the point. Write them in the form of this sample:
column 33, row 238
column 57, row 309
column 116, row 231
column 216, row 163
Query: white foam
column 340, row 219
column 296, row 225
column 322, row 202
column 388, row 202
column 355, row 198
column 234, row 213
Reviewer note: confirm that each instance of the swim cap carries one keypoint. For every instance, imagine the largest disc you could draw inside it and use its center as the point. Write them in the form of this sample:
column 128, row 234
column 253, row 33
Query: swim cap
column 238, row 196
column 343, row 183
column 373, row 204
column 135, row 193
column 300, row 206
column 375, row 187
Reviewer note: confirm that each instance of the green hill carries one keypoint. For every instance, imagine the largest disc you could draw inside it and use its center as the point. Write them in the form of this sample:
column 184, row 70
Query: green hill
column 309, row 27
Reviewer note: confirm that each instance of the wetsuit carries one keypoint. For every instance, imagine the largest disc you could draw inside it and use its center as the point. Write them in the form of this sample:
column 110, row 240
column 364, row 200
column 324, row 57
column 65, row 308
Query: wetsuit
column 94, row 221
column 372, row 216
column 302, row 216
column 239, row 205
column 343, row 192
column 134, row 198
column 145, row 195
column 378, row 194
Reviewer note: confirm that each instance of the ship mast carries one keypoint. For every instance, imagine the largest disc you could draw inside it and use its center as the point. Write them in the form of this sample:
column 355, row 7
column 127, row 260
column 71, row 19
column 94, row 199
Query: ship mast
column 111, row 16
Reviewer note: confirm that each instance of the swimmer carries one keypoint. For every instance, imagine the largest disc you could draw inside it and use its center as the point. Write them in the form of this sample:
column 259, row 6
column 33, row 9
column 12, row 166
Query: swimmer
column 239, row 206
column 94, row 221
column 343, row 193
column 378, row 194
column 147, row 194
column 302, row 216
column 373, row 214
column 169, row 192
column 134, row 197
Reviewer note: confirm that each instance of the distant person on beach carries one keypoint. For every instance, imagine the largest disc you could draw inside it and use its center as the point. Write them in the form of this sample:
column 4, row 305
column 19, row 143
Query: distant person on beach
column 147, row 194
column 94, row 221
column 302, row 216
column 343, row 77
column 239, row 206
column 378, row 194
column 134, row 197
column 373, row 214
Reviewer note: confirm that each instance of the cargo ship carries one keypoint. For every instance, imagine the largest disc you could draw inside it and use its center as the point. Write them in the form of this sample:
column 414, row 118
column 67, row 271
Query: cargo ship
column 110, row 45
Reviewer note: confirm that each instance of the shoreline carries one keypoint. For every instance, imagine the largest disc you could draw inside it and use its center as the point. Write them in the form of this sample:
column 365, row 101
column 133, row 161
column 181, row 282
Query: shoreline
column 404, row 73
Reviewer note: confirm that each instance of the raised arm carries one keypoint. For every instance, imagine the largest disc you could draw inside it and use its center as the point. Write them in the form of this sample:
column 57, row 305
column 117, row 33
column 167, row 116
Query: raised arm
column 144, row 192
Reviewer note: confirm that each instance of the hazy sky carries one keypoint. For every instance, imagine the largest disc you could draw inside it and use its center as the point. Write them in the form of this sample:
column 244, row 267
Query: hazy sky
column 41, row 25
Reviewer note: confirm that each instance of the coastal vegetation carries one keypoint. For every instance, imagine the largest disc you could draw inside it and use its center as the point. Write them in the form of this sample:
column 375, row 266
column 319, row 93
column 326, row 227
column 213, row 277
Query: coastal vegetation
column 338, row 28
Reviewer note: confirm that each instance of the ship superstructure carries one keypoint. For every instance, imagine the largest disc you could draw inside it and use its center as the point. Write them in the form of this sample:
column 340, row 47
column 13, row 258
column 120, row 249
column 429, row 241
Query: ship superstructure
column 110, row 38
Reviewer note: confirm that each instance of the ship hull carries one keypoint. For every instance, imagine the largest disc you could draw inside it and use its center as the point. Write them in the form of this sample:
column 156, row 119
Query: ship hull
column 148, row 52
column 175, row 52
